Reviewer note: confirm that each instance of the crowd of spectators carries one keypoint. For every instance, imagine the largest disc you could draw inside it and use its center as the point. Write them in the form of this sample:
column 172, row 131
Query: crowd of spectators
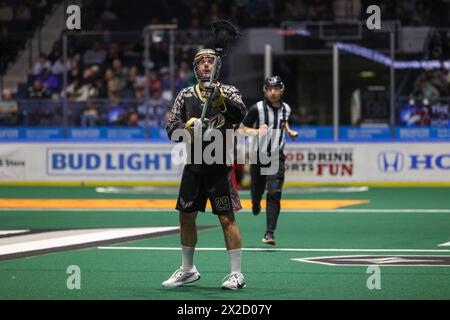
column 433, row 84
column 426, row 105
column 108, row 86
column 270, row 13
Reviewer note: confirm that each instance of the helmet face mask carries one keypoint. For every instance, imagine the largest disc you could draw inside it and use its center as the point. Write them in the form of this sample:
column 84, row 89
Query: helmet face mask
column 199, row 57
column 274, row 81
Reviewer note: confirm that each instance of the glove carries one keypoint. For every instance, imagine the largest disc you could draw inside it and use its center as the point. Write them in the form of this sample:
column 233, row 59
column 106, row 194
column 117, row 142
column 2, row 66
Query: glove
column 195, row 127
column 216, row 95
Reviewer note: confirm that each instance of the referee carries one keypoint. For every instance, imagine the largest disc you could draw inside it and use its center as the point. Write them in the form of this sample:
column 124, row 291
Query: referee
column 270, row 113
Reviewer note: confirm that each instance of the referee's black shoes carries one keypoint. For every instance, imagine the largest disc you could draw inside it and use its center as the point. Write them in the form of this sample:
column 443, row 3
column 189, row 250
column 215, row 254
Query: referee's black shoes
column 256, row 208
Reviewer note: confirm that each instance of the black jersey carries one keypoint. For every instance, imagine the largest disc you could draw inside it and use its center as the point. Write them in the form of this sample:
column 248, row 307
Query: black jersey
column 188, row 104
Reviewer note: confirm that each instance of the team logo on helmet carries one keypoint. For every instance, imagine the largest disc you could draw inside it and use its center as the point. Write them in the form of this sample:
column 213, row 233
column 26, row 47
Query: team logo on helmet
column 205, row 54
column 274, row 81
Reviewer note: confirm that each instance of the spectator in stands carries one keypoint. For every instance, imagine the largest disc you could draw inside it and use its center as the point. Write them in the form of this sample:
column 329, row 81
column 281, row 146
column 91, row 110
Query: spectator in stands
column 158, row 106
column 73, row 55
column 133, row 119
column 49, row 81
column 139, row 104
column 139, row 96
column 42, row 64
column 113, row 84
column 440, row 81
column 436, row 79
column 446, row 76
column 8, row 109
column 113, row 53
column 72, row 90
column 108, row 75
column 75, row 71
column 100, row 87
column 96, row 55
column 134, row 79
column 184, row 76
column 165, row 80
column 37, row 91
column 87, row 89
column 119, row 71
column 154, row 82
column 58, row 66
column 89, row 116
column 427, row 90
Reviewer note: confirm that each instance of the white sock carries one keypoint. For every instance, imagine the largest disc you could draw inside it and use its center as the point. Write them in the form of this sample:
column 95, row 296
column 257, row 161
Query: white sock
column 235, row 260
column 187, row 258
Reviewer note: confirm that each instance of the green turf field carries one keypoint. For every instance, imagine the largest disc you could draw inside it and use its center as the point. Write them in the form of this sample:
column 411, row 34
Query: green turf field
column 396, row 222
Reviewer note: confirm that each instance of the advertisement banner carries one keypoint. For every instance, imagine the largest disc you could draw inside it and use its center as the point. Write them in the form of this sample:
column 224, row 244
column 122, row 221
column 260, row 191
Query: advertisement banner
column 88, row 162
column 153, row 162
column 371, row 162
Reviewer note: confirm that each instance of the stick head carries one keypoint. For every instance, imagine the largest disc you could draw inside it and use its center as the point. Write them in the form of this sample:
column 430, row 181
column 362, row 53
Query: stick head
column 224, row 32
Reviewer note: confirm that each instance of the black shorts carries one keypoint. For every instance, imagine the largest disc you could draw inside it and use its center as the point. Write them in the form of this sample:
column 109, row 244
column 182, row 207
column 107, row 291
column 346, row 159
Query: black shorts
column 219, row 187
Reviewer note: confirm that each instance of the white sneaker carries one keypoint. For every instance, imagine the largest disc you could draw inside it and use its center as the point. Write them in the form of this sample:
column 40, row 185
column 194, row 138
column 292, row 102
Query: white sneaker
column 181, row 277
column 233, row 281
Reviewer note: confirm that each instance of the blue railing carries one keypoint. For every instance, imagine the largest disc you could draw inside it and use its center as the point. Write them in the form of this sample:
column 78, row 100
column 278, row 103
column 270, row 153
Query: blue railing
column 43, row 120
column 306, row 134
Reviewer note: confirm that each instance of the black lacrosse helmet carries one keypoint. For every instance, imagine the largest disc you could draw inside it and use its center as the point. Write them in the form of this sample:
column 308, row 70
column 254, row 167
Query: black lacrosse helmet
column 274, row 81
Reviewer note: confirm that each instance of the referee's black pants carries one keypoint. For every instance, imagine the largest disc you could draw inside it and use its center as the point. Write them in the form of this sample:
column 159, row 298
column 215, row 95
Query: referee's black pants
column 274, row 189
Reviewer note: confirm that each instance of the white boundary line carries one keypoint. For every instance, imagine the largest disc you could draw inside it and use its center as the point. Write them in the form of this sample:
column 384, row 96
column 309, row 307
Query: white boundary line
column 6, row 232
column 63, row 238
column 389, row 210
column 447, row 244
column 276, row 249
column 174, row 190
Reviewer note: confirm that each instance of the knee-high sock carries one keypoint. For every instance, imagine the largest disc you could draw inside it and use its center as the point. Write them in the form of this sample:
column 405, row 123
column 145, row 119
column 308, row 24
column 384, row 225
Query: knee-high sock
column 235, row 260
column 187, row 257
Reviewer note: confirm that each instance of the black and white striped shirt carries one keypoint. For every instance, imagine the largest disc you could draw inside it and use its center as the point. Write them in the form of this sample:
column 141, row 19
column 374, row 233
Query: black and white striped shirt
column 275, row 118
